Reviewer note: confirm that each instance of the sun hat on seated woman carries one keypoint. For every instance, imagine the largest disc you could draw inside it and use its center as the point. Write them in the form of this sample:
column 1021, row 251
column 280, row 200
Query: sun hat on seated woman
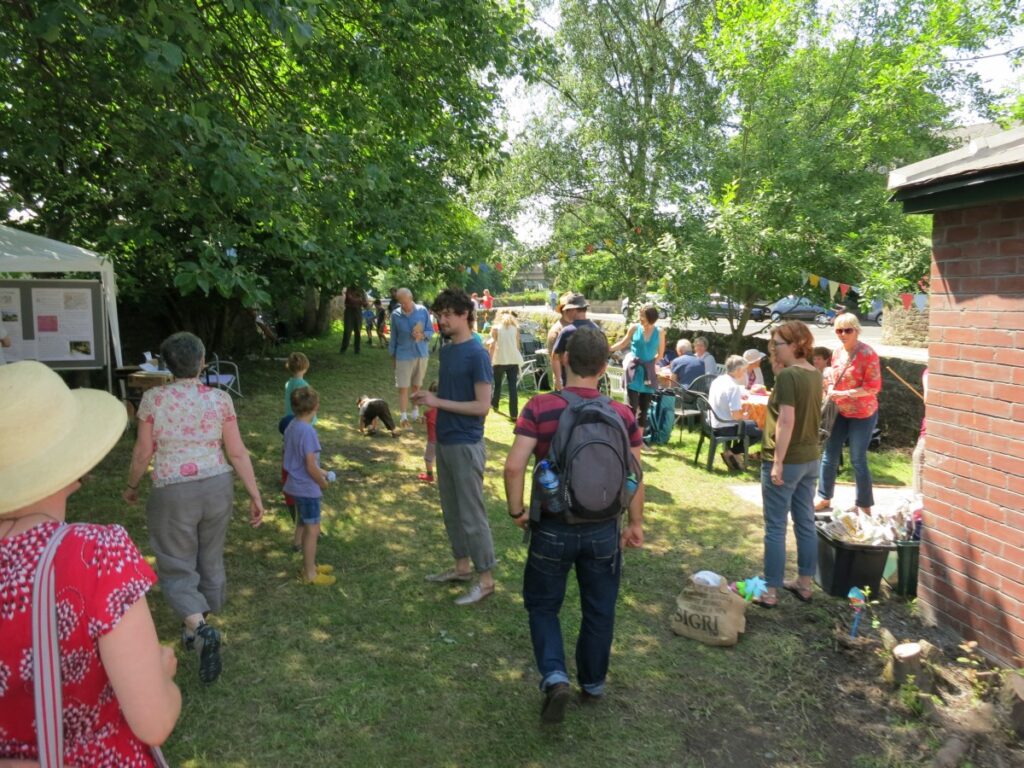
column 54, row 435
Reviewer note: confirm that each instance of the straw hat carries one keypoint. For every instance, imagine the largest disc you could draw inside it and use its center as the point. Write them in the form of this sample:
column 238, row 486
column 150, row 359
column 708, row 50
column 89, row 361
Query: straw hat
column 53, row 435
column 754, row 356
column 563, row 300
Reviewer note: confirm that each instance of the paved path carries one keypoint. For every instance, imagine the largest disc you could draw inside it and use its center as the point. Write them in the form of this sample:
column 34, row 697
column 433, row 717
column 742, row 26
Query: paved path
column 885, row 498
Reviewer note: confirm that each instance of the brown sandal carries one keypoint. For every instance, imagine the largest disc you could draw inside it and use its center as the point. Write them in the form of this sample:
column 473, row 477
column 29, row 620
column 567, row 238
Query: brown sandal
column 801, row 594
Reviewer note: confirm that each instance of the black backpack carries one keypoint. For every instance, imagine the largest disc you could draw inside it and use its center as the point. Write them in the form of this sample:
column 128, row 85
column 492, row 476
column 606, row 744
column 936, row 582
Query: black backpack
column 591, row 455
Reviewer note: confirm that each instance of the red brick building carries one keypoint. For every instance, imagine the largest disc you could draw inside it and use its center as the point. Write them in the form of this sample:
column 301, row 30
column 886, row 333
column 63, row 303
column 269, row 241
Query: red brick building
column 972, row 553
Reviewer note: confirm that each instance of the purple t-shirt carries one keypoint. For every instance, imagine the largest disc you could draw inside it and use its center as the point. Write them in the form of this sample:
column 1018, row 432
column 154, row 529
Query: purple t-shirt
column 299, row 440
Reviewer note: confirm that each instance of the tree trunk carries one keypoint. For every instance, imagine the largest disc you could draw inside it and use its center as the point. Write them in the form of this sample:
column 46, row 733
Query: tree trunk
column 323, row 313
column 309, row 311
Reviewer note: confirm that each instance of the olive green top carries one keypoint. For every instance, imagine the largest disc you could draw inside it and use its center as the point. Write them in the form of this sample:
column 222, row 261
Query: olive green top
column 801, row 389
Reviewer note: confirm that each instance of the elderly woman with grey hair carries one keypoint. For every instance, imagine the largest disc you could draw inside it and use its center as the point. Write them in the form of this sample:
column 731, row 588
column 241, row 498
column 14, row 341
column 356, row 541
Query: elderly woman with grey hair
column 185, row 427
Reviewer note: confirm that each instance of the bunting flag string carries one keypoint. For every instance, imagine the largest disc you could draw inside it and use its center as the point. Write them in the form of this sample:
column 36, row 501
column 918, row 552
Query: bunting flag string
column 843, row 289
column 813, row 280
column 907, row 299
column 832, row 288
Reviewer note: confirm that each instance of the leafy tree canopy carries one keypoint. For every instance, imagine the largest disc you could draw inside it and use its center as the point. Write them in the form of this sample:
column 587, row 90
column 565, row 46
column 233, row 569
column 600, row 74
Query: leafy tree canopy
column 248, row 150
column 730, row 147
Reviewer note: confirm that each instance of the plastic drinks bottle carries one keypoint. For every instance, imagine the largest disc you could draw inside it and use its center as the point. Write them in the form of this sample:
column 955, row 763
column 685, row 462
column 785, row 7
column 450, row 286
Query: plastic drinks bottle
column 549, row 487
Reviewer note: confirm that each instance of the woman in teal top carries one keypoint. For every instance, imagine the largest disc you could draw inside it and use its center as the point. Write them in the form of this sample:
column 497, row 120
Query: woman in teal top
column 646, row 344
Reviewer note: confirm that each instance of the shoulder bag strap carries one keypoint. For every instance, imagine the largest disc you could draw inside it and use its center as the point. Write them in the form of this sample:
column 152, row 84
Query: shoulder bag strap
column 49, row 701
column 46, row 658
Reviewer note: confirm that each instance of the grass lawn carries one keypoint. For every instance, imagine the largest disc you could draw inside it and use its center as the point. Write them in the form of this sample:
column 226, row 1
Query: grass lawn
column 382, row 669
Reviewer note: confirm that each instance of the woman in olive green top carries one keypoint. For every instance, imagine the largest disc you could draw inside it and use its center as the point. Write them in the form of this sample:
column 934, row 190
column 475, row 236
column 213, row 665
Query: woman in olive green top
column 790, row 457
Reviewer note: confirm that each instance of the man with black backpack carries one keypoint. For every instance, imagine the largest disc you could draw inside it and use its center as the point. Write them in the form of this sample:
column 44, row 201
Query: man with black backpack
column 587, row 451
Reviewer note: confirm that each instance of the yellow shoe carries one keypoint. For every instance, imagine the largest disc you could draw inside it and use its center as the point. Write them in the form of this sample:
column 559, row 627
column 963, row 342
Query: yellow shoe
column 321, row 580
column 325, row 569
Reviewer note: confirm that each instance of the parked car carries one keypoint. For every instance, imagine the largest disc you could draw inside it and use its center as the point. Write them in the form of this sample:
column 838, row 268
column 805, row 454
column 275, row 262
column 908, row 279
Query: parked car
column 665, row 308
column 800, row 308
column 875, row 313
column 717, row 305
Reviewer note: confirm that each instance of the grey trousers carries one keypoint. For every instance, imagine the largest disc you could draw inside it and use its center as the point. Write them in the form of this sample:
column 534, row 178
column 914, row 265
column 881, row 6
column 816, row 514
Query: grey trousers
column 188, row 523
column 460, row 482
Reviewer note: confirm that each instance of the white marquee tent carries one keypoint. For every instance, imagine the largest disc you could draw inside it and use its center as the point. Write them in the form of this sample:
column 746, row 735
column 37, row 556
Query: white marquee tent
column 24, row 252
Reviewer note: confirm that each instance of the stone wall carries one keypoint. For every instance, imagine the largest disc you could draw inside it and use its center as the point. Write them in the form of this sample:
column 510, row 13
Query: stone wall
column 905, row 327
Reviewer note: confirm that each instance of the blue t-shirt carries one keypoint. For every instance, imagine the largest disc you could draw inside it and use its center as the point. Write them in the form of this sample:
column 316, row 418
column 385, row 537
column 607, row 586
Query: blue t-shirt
column 686, row 368
column 463, row 366
column 299, row 440
column 566, row 333
column 401, row 345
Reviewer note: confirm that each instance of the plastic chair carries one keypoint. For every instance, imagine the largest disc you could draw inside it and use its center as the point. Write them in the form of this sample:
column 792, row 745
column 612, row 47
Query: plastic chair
column 706, row 431
column 222, row 374
column 686, row 410
column 528, row 374
column 702, row 384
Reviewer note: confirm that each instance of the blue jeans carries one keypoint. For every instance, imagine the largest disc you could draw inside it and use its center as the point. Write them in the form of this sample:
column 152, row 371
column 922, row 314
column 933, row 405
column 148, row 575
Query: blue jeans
column 859, row 433
column 555, row 548
column 795, row 496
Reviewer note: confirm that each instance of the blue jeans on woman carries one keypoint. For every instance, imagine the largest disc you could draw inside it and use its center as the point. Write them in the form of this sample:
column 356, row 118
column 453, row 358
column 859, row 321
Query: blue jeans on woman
column 555, row 547
column 796, row 497
column 859, row 432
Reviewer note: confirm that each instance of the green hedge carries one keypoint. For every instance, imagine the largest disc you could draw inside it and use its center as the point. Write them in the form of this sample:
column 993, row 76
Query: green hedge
column 523, row 299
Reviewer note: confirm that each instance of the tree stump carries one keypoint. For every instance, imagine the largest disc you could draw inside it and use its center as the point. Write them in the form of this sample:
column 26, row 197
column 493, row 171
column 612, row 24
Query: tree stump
column 906, row 662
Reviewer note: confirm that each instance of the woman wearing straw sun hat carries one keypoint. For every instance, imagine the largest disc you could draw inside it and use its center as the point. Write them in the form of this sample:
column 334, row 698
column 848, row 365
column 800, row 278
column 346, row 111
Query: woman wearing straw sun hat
column 117, row 681
column 186, row 427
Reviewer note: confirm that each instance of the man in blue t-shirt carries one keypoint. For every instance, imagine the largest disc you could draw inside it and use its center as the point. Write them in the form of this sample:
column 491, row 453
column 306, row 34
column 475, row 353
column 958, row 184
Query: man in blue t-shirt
column 462, row 401
column 576, row 303
column 686, row 366
column 408, row 346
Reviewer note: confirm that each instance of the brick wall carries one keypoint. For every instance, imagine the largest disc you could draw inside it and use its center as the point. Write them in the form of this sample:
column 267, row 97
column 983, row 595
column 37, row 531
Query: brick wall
column 972, row 554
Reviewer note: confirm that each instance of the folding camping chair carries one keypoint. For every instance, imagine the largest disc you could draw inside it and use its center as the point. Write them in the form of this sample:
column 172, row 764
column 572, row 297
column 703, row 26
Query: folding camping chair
column 222, row 374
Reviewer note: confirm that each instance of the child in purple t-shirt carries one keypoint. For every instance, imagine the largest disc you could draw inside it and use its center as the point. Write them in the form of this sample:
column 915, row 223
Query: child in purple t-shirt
column 306, row 480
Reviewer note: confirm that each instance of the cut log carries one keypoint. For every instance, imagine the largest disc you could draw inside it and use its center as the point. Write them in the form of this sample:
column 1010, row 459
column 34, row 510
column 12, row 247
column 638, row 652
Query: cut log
column 906, row 662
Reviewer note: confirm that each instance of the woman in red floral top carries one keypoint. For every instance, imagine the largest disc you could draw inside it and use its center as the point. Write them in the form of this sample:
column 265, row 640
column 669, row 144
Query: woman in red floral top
column 856, row 380
column 119, row 696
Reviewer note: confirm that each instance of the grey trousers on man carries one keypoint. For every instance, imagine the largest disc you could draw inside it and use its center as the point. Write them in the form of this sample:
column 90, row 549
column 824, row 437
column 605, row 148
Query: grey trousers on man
column 188, row 523
column 460, row 482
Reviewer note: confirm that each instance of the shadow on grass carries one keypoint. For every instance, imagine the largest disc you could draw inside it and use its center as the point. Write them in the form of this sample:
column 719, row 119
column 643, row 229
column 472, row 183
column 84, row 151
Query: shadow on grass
column 383, row 669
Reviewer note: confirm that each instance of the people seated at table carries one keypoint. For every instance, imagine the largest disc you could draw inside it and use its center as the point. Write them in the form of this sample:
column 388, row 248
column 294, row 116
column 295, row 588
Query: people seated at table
column 726, row 399
column 685, row 367
column 755, row 379
column 700, row 351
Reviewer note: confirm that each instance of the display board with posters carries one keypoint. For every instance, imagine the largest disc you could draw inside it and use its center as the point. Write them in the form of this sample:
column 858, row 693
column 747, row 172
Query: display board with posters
column 57, row 322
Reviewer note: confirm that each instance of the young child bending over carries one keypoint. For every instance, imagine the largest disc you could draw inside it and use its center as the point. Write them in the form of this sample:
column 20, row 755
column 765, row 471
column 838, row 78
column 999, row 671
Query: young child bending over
column 372, row 410
column 429, row 453
column 306, row 480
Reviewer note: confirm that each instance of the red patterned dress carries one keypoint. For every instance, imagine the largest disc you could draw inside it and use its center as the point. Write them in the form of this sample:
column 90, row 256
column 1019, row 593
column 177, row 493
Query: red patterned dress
column 100, row 575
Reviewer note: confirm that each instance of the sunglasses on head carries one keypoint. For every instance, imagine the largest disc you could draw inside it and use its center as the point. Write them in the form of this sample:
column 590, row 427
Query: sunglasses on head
column 841, row 331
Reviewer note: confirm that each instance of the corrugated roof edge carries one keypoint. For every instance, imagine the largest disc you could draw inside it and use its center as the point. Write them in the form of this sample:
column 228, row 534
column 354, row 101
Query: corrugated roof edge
column 981, row 154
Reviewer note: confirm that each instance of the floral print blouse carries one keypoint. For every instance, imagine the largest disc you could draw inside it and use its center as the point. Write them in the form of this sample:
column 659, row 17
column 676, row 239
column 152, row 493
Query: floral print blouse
column 865, row 371
column 188, row 419
column 100, row 574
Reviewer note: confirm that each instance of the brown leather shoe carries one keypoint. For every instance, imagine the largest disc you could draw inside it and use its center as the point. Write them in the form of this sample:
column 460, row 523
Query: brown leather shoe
column 822, row 504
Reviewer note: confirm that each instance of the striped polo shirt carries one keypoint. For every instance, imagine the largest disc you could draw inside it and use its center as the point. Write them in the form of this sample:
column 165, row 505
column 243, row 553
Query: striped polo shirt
column 539, row 419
